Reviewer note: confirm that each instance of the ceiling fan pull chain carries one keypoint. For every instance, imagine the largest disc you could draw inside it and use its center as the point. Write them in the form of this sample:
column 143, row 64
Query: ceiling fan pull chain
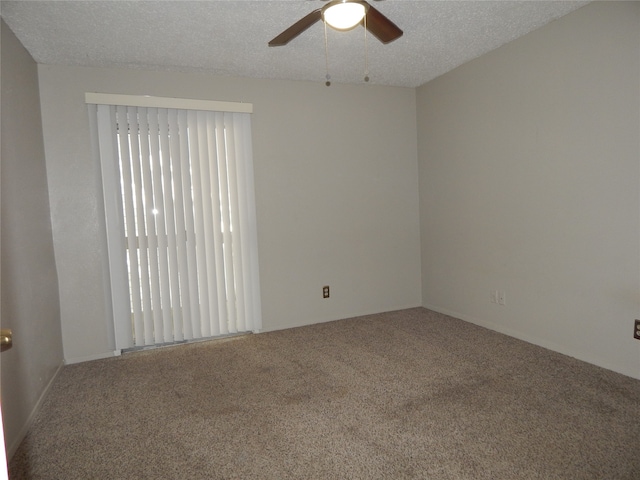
column 366, row 52
column 326, row 55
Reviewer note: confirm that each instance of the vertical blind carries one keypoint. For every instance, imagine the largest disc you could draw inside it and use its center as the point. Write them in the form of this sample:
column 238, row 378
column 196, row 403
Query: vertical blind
column 180, row 218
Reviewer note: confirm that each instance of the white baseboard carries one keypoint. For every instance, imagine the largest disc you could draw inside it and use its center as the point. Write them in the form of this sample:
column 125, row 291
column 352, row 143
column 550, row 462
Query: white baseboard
column 11, row 449
column 341, row 316
column 544, row 343
column 88, row 358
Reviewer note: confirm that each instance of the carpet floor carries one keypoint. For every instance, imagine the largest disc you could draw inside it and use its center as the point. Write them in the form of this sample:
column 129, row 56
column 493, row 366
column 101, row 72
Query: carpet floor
column 399, row 395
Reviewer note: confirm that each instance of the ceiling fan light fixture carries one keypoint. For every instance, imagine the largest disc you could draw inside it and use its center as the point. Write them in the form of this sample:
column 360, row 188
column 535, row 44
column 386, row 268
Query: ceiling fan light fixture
column 344, row 14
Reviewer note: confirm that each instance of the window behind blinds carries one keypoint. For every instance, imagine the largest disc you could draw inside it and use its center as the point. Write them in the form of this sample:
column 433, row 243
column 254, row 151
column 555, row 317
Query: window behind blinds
column 180, row 216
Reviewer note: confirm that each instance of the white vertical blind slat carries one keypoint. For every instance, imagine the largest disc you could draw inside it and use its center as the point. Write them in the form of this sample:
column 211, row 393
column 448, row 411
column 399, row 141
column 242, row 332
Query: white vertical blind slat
column 132, row 130
column 182, row 329
column 174, row 330
column 201, row 251
column 163, row 317
column 211, row 218
column 105, row 144
column 190, row 233
column 227, row 245
column 236, row 238
column 126, row 187
column 151, row 331
column 142, row 333
column 215, row 143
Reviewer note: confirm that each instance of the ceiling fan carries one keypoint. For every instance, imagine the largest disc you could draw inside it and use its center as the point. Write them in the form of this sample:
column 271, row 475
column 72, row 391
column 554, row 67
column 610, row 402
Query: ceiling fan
column 365, row 14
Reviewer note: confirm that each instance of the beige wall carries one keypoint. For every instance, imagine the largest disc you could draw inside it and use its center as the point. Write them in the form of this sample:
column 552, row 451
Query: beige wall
column 529, row 183
column 29, row 284
column 336, row 191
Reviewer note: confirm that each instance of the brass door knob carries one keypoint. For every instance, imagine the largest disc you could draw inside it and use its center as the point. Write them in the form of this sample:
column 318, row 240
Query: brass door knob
column 6, row 338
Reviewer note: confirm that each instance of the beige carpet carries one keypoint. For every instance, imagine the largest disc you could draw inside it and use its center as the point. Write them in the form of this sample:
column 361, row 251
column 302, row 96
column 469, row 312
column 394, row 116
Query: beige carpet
column 408, row 394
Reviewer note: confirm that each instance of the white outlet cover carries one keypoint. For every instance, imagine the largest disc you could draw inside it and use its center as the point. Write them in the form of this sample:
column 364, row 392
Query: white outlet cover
column 502, row 298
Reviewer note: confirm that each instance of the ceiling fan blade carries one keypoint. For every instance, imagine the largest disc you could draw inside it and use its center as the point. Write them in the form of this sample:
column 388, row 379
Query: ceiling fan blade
column 381, row 27
column 296, row 29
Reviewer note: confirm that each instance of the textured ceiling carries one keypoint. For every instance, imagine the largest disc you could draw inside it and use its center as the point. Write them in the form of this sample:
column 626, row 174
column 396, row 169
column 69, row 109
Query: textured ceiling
column 230, row 38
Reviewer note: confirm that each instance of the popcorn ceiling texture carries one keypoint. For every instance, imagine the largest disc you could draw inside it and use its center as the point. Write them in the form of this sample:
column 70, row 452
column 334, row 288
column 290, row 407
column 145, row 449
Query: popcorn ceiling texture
column 230, row 37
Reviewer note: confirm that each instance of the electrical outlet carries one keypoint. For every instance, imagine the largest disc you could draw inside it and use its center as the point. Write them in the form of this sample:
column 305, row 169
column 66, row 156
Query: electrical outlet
column 636, row 330
column 325, row 291
column 499, row 297
column 494, row 296
column 502, row 297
